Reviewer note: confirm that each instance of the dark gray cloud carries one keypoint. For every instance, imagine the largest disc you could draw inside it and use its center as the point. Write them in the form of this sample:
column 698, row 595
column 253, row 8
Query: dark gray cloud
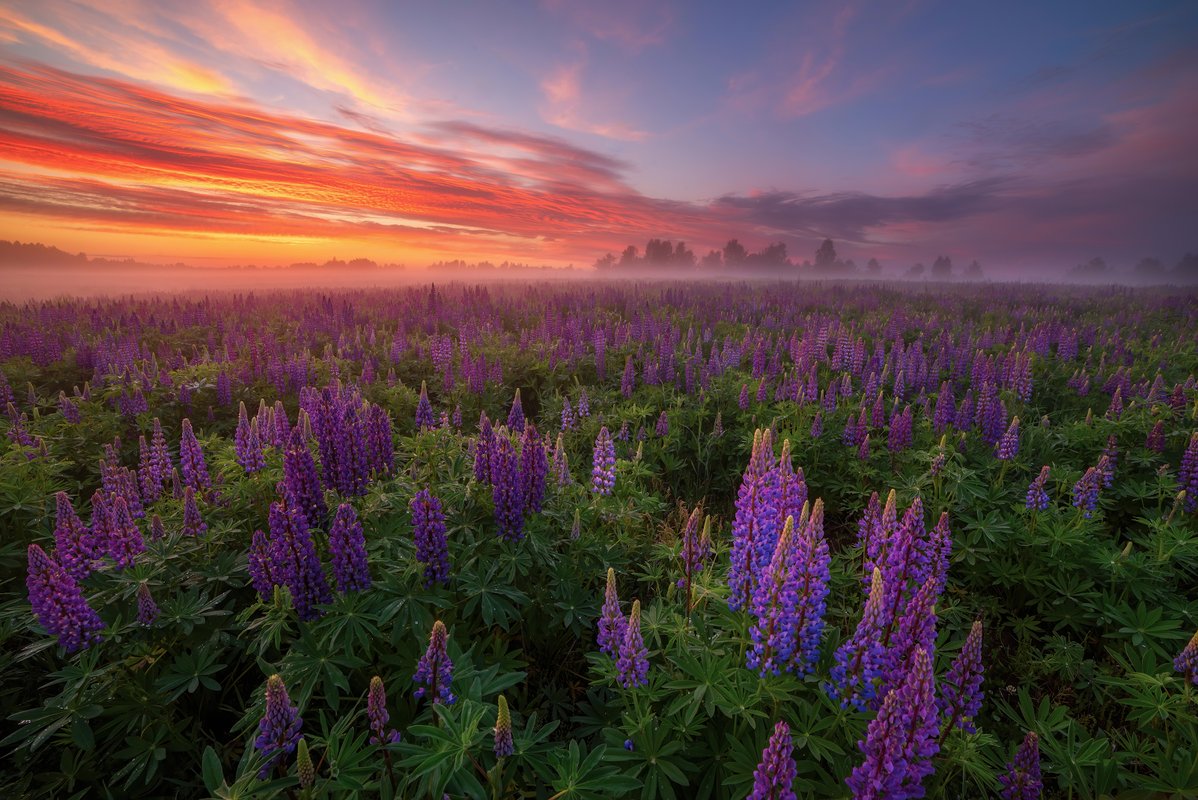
column 848, row 215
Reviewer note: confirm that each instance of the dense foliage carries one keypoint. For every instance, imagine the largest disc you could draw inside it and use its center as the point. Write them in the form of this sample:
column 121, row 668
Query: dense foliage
column 601, row 541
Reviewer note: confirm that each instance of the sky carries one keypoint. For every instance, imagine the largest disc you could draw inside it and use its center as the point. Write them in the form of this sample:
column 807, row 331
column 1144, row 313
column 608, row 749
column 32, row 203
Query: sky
column 1031, row 136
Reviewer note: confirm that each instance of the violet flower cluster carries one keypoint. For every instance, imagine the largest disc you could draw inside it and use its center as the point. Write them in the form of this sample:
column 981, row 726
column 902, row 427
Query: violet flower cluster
column 434, row 671
column 428, row 528
column 603, row 472
column 279, row 728
column 775, row 774
column 58, row 603
column 347, row 551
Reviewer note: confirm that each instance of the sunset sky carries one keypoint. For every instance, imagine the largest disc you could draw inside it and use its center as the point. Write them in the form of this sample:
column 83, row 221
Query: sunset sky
column 1028, row 135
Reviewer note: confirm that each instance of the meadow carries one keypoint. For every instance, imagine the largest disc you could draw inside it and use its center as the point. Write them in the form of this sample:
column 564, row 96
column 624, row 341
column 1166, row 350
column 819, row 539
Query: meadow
column 601, row 540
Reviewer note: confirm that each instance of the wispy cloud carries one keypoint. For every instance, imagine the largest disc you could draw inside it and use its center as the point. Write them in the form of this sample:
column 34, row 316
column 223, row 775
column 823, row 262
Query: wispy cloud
column 564, row 105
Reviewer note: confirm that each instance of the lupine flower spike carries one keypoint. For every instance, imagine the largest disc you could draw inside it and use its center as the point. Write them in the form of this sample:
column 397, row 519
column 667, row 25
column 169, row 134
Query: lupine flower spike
column 775, row 774
column 611, row 619
column 1022, row 779
column 961, row 689
column 435, row 670
column 376, row 713
column 504, row 746
column 1187, row 661
column 58, row 603
column 633, row 661
column 279, row 729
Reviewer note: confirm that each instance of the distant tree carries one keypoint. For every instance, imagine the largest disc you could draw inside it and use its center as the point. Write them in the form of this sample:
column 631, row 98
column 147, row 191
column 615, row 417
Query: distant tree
column 773, row 255
column 850, row 265
column 942, row 268
column 825, row 256
column 1095, row 266
column 915, row 270
column 683, row 256
column 659, row 251
column 872, row 266
column 734, row 253
column 1149, row 267
column 713, row 260
column 974, row 271
column 630, row 256
column 607, row 262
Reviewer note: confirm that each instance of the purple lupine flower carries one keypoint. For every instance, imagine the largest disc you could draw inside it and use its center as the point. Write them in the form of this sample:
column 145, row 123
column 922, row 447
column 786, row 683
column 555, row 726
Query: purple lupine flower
column 261, row 566
column 859, row 660
column 1085, row 492
column 1008, row 446
column 612, row 623
column 124, row 538
column 193, row 523
column 756, row 525
column 1187, row 661
column 157, row 529
column 901, row 741
column 900, row 435
column 302, row 478
column 73, row 546
column 1156, row 437
column 561, row 463
column 428, row 528
column 817, row 425
column 584, row 404
column 961, row 689
column 774, row 603
column 632, row 663
column 434, row 670
column 246, row 442
column 662, row 428
column 863, row 449
column 147, row 474
column 914, row 630
column 696, row 545
column 504, row 746
column 191, row 460
column 603, row 472
column 293, row 558
column 1022, row 778
column 1115, row 410
column 775, row 774
column 424, row 410
column 483, row 445
column 147, row 609
column 160, row 460
column 1187, row 474
column 58, row 603
column 567, row 415
column 279, row 728
column 376, row 712
column 507, row 489
column 811, row 576
column 515, row 417
column 628, row 378
column 623, row 434
column 347, row 551
column 743, row 400
column 534, row 468
column 1037, row 497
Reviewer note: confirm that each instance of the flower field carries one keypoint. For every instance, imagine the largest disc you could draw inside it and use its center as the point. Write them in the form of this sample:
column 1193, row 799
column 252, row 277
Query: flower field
column 602, row 540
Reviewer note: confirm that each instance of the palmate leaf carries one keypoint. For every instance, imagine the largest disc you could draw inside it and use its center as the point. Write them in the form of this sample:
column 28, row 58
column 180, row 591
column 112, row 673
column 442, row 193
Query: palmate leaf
column 582, row 775
column 189, row 671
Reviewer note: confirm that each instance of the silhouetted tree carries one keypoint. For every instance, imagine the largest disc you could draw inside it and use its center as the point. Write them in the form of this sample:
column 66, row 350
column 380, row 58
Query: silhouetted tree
column 734, row 253
column 872, row 266
column 1095, row 266
column 713, row 260
column 850, row 265
column 915, row 270
column 683, row 256
column 773, row 255
column 607, row 262
column 942, row 268
column 630, row 256
column 825, row 256
column 659, row 251
column 974, row 271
